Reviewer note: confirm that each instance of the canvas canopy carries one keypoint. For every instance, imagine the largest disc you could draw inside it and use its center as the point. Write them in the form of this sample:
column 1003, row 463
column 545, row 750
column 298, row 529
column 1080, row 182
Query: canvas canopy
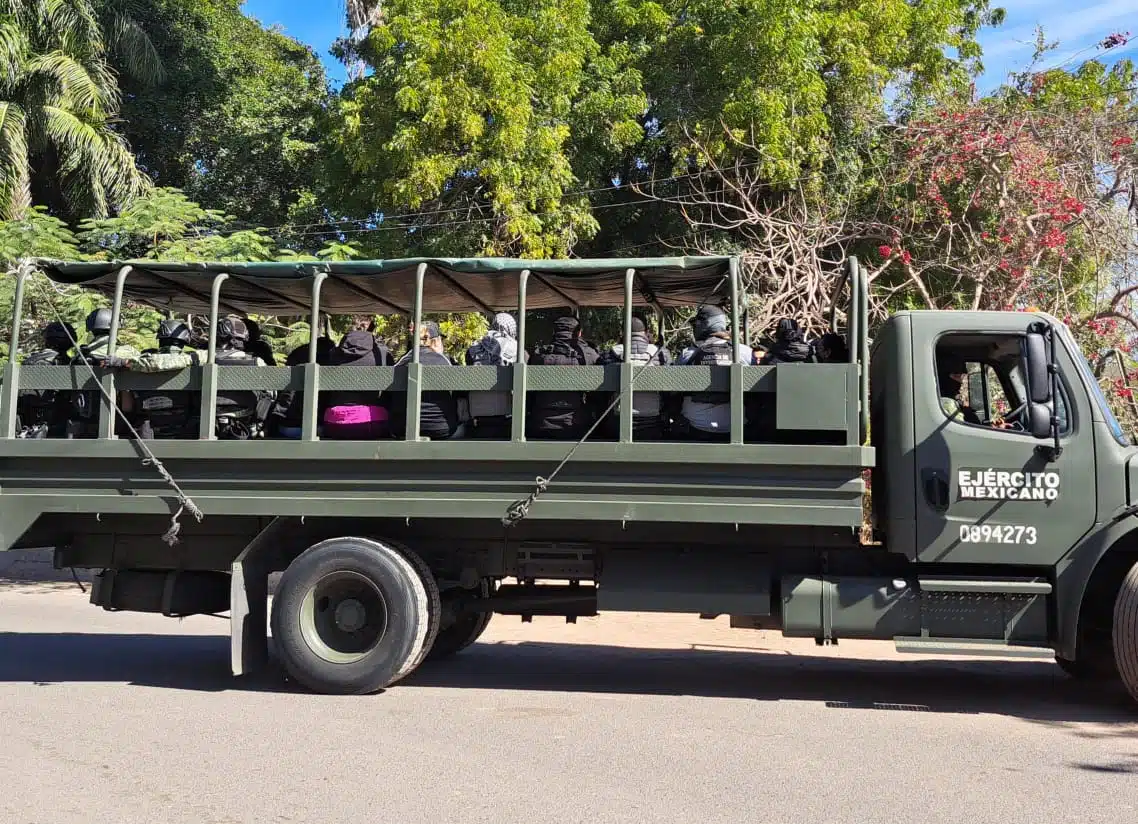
column 388, row 286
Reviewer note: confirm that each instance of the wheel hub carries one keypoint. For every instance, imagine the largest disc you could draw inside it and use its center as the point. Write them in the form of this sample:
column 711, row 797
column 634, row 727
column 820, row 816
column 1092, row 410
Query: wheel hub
column 343, row 617
column 350, row 615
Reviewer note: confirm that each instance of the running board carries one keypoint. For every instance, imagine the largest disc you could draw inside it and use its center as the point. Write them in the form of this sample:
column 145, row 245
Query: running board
column 968, row 646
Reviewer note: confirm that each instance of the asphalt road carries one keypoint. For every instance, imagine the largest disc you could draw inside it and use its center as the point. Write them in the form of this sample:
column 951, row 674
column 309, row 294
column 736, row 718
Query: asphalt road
column 124, row 718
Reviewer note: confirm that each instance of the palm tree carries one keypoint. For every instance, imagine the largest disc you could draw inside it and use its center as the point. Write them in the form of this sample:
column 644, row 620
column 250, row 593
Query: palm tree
column 58, row 100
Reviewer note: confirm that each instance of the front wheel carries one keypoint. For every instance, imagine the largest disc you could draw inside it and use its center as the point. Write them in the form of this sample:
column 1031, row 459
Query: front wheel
column 1125, row 632
column 353, row 615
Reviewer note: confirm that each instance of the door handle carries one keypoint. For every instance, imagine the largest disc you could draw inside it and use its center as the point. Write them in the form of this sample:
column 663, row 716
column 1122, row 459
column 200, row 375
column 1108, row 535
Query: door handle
column 936, row 489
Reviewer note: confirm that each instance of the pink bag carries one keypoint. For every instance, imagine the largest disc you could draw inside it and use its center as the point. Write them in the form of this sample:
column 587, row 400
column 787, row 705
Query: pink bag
column 355, row 415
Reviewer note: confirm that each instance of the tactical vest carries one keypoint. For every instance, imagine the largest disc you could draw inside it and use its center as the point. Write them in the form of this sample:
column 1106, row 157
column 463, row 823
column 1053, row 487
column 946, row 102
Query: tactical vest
column 170, row 412
column 711, row 352
column 42, row 412
column 644, row 404
column 240, row 412
column 85, row 404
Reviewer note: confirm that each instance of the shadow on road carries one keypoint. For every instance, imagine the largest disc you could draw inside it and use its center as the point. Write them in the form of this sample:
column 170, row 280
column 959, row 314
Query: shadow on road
column 1035, row 691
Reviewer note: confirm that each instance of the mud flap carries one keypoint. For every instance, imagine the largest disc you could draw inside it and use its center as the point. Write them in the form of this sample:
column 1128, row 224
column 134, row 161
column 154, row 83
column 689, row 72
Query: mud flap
column 249, row 598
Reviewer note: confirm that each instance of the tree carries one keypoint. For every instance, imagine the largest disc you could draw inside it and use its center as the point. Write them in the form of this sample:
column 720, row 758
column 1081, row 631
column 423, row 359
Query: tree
column 466, row 128
column 235, row 124
column 58, row 100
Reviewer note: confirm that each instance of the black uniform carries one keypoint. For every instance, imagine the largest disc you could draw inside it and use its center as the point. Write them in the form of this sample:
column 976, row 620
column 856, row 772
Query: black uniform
column 42, row 413
column 163, row 413
column 561, row 415
column 438, row 410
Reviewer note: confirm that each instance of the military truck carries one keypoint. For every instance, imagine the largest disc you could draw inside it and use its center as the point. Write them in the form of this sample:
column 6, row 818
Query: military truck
column 1009, row 532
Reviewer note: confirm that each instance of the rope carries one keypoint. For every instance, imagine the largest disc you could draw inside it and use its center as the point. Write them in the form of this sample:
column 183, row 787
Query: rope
column 185, row 503
column 518, row 510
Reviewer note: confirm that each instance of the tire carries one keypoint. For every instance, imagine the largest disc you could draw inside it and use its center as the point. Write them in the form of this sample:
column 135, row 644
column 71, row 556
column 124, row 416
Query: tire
column 459, row 635
column 1125, row 631
column 1090, row 666
column 352, row 616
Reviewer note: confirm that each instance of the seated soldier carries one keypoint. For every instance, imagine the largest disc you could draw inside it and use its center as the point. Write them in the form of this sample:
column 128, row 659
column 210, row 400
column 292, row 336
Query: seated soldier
column 831, row 348
column 951, row 370
column 707, row 415
column 356, row 415
column 287, row 417
column 789, row 346
column 42, row 413
column 491, row 413
column 560, row 415
column 438, row 410
column 647, row 407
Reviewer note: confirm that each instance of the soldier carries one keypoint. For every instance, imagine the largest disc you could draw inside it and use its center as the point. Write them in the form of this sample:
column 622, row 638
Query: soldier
column 951, row 371
column 561, row 415
column 85, row 405
column 163, row 413
column 647, row 411
column 240, row 413
column 708, row 414
column 42, row 413
column 257, row 345
column 439, row 415
column 789, row 345
column 491, row 413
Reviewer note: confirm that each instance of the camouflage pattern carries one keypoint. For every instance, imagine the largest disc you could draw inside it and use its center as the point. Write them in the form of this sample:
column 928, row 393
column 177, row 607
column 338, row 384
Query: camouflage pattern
column 166, row 359
column 239, row 354
column 951, row 407
column 98, row 348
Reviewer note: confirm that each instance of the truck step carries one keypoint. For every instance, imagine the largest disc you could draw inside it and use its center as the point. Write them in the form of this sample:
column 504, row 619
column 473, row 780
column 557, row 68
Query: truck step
column 921, row 645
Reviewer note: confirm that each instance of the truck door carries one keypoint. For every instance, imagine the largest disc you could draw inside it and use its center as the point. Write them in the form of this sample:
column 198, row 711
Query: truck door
column 986, row 490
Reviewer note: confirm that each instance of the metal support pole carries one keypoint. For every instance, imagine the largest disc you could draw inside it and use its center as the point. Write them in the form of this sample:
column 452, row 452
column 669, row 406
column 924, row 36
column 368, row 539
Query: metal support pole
column 518, row 428
column 737, row 416
column 626, row 365
column 415, row 368
column 110, row 398
column 207, row 429
column 863, row 346
column 11, row 388
column 311, row 369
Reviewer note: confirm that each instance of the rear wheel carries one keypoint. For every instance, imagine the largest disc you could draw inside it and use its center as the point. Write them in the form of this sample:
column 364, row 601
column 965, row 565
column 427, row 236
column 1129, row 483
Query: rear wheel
column 1125, row 632
column 461, row 634
column 352, row 616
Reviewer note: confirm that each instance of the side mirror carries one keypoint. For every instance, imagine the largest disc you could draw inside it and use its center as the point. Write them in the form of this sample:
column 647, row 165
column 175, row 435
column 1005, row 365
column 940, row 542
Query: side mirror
column 1039, row 420
column 1037, row 368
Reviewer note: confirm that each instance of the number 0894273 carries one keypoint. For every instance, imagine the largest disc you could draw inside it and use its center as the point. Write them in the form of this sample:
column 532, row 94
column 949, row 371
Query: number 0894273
column 997, row 534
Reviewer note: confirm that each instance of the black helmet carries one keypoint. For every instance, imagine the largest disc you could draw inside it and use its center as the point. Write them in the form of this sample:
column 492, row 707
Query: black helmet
column 232, row 329
column 99, row 322
column 173, row 332
column 59, row 336
column 707, row 319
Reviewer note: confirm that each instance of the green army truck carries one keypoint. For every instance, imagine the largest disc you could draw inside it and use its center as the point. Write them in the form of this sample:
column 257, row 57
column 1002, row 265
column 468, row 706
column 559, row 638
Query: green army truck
column 1009, row 531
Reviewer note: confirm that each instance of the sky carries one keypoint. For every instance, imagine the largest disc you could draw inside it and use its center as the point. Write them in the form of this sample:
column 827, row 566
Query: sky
column 1078, row 24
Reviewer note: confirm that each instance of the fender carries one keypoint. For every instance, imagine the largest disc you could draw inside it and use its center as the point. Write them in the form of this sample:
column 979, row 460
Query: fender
column 1074, row 571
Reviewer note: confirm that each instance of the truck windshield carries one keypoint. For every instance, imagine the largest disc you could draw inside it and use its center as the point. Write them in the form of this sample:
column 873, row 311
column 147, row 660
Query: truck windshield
column 1096, row 391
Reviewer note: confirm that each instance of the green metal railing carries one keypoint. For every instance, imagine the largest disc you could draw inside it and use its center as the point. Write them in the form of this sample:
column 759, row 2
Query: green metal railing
column 832, row 397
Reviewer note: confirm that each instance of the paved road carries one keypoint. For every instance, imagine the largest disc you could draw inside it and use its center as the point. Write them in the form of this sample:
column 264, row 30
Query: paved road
column 131, row 718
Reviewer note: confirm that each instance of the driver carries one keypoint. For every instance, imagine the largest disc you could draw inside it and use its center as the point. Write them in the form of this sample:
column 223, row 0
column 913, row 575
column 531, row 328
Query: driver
column 951, row 371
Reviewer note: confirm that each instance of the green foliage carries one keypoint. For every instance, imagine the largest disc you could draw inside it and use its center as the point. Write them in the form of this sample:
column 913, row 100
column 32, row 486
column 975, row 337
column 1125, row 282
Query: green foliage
column 36, row 234
column 58, row 101
column 236, row 121
column 472, row 109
